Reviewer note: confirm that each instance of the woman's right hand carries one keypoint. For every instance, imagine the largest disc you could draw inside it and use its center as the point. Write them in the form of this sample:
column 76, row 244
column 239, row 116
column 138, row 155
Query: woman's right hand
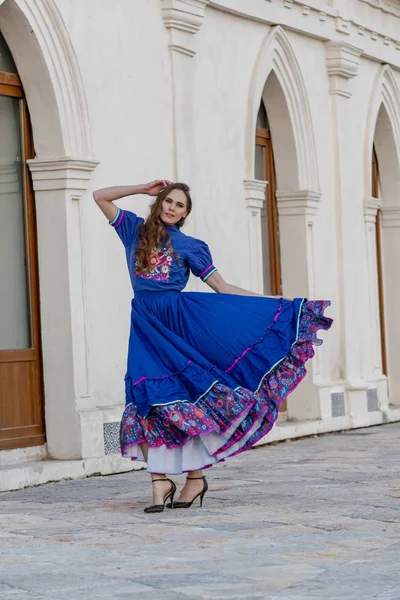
column 154, row 187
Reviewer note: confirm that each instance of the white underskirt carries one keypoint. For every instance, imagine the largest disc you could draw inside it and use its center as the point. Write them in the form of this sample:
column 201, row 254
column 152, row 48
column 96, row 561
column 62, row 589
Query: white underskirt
column 197, row 453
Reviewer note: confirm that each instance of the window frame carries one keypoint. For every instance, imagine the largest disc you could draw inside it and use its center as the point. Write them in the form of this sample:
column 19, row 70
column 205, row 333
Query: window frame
column 11, row 86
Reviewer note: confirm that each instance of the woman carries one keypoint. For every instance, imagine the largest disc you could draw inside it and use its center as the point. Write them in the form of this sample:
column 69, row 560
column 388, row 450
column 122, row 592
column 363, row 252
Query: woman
column 206, row 372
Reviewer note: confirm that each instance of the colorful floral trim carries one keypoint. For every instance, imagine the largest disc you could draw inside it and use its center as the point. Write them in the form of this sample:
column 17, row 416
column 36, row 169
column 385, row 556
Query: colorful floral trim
column 115, row 219
column 207, row 272
column 160, row 265
column 174, row 424
column 118, row 218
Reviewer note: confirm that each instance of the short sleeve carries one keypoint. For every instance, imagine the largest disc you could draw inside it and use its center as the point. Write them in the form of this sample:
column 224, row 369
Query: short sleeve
column 126, row 224
column 200, row 260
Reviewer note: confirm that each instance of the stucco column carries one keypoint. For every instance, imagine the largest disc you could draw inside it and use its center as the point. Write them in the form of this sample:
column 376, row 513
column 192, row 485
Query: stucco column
column 59, row 186
column 391, row 277
column 342, row 65
column 370, row 213
column 183, row 19
column 255, row 202
column 297, row 211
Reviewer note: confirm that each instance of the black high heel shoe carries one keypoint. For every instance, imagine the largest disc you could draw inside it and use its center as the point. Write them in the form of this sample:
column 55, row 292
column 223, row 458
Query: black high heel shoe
column 189, row 504
column 157, row 508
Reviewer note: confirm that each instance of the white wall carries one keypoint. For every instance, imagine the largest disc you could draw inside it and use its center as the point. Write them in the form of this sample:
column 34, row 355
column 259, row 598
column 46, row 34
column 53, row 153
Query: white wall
column 126, row 72
column 122, row 56
column 126, row 69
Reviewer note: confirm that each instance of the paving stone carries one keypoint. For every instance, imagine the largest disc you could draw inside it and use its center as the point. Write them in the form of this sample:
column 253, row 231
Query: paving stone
column 21, row 595
column 182, row 580
column 51, row 579
column 314, row 519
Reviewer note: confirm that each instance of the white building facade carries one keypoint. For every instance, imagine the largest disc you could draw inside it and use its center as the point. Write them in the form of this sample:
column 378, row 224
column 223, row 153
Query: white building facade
column 284, row 118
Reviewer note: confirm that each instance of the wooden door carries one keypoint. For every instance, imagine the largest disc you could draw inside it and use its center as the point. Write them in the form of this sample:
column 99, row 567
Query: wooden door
column 378, row 231
column 265, row 171
column 21, row 386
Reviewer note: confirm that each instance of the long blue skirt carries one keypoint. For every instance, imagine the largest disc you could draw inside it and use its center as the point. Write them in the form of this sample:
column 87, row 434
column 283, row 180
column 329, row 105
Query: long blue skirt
column 207, row 373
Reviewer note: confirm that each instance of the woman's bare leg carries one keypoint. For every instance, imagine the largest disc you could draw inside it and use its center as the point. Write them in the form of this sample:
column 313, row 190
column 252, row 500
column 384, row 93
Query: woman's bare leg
column 192, row 486
column 145, row 450
column 160, row 489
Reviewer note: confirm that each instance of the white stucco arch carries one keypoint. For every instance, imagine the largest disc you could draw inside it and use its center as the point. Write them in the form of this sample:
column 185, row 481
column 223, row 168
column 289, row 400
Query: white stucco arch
column 278, row 80
column 50, row 73
column 277, row 55
column 383, row 129
column 61, row 172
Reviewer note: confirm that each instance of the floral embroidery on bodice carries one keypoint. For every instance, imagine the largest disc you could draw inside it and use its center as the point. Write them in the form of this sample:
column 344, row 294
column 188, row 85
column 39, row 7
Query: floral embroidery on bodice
column 160, row 265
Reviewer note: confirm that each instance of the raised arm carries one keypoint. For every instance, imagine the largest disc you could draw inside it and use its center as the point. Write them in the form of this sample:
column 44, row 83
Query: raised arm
column 106, row 197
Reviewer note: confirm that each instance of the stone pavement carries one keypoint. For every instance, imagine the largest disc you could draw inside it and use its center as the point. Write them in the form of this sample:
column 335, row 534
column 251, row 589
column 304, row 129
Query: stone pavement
column 311, row 519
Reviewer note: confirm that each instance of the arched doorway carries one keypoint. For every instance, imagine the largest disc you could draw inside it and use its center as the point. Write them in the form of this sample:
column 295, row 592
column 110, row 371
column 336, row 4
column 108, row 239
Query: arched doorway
column 287, row 198
column 264, row 170
column 382, row 218
column 21, row 385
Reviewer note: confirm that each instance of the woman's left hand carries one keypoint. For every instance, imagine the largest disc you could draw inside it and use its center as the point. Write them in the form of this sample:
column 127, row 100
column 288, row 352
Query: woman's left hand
column 154, row 187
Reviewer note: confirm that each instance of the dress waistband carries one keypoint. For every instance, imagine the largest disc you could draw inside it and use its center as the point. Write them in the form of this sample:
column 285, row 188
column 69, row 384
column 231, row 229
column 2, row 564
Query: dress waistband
column 156, row 294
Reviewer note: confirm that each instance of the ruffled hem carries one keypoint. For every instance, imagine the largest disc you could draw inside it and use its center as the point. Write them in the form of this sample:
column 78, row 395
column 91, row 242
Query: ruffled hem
column 224, row 421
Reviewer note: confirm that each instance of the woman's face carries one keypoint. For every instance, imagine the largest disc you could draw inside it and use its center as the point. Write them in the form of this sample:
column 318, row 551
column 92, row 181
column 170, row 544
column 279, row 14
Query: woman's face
column 174, row 207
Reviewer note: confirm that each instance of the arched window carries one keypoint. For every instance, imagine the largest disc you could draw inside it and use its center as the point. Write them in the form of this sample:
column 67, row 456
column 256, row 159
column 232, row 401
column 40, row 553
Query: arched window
column 378, row 233
column 265, row 171
column 21, row 395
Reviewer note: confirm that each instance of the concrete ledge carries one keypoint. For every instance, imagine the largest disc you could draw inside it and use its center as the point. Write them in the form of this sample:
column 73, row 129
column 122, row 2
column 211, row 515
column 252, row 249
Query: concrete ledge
column 287, row 430
column 16, row 477
column 23, row 455
column 392, row 414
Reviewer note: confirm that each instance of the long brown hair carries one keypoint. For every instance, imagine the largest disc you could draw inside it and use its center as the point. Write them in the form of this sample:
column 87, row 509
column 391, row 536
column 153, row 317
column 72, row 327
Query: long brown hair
column 153, row 233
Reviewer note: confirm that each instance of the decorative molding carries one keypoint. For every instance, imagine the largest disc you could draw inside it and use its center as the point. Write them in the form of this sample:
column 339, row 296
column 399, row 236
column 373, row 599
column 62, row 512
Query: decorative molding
column 298, row 202
column 255, row 193
column 61, row 173
column 344, row 26
column 380, row 36
column 371, row 207
column 183, row 19
column 276, row 54
column 342, row 65
column 389, row 7
column 390, row 216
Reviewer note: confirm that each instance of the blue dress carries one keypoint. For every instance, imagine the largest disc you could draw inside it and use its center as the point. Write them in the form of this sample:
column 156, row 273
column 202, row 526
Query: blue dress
column 206, row 372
